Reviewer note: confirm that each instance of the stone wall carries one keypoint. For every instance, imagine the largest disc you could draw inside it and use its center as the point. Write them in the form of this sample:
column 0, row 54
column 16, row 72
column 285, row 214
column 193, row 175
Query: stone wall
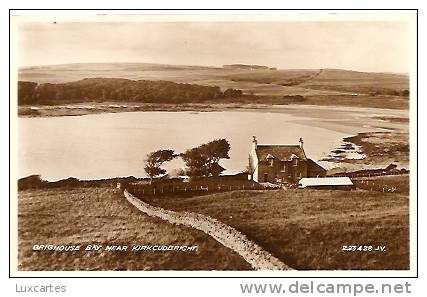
column 226, row 235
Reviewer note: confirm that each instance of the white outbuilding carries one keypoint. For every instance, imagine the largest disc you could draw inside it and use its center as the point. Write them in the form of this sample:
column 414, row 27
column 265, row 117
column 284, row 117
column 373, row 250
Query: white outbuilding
column 326, row 183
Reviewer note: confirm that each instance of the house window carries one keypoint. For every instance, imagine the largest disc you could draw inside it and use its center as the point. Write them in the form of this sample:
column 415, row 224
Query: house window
column 295, row 162
column 270, row 161
column 284, row 166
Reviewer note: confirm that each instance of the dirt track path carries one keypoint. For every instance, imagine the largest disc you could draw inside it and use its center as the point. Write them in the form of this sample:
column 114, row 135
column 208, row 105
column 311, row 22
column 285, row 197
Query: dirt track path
column 224, row 234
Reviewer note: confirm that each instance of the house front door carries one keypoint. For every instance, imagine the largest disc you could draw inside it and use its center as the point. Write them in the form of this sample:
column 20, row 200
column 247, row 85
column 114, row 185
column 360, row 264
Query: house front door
column 265, row 177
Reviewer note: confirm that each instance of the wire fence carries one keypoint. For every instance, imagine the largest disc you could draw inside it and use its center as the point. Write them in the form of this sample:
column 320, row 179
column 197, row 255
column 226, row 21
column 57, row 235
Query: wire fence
column 369, row 174
column 190, row 189
column 362, row 181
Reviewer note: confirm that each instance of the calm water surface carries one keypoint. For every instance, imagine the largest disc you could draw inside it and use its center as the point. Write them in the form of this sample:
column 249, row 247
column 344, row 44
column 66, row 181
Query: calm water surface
column 115, row 144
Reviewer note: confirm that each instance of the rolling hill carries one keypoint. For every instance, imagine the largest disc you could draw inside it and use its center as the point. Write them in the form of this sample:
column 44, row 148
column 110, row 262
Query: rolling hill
column 318, row 86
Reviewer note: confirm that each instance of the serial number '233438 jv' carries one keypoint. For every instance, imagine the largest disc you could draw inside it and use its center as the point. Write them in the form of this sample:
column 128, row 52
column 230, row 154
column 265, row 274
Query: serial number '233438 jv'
column 364, row 248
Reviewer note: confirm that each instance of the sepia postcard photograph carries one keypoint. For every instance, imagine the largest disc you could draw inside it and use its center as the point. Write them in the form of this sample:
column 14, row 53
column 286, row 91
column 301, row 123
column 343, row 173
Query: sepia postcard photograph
column 230, row 143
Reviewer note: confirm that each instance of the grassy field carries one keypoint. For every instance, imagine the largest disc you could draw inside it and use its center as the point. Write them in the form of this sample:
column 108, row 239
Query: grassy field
column 387, row 183
column 307, row 229
column 318, row 86
column 84, row 216
column 357, row 82
column 361, row 100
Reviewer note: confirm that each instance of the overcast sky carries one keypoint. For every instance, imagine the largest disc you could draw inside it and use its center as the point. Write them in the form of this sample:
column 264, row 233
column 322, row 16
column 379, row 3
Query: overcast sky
column 363, row 46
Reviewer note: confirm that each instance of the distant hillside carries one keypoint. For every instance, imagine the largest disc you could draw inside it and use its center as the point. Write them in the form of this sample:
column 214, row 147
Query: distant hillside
column 318, row 86
column 254, row 79
column 117, row 89
column 343, row 81
column 359, row 82
column 113, row 66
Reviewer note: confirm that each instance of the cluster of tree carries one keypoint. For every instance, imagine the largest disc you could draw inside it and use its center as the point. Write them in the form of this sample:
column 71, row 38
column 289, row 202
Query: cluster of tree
column 155, row 160
column 116, row 89
column 204, row 159
column 200, row 161
column 401, row 93
column 36, row 182
column 297, row 81
column 294, row 98
column 248, row 67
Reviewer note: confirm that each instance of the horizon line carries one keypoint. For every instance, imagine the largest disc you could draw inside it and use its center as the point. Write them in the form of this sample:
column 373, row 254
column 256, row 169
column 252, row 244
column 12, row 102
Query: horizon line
column 209, row 66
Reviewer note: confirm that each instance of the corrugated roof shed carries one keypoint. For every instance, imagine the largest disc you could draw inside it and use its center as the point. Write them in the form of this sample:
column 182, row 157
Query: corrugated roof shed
column 325, row 181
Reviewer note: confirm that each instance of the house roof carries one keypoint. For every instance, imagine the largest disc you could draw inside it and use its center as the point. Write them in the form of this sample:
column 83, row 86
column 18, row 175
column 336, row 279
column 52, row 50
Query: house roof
column 313, row 166
column 281, row 152
column 325, row 181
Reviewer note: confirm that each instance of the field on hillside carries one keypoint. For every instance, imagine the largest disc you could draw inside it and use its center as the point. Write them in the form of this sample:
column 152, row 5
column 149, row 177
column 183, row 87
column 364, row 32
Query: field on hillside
column 320, row 87
column 87, row 216
column 387, row 183
column 307, row 229
column 357, row 82
column 361, row 100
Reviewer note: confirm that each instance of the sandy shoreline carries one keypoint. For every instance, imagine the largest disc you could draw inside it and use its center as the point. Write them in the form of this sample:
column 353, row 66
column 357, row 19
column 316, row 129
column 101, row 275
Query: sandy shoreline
column 112, row 107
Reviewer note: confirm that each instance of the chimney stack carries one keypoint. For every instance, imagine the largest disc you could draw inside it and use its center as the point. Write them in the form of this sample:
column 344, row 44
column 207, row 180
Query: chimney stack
column 301, row 142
